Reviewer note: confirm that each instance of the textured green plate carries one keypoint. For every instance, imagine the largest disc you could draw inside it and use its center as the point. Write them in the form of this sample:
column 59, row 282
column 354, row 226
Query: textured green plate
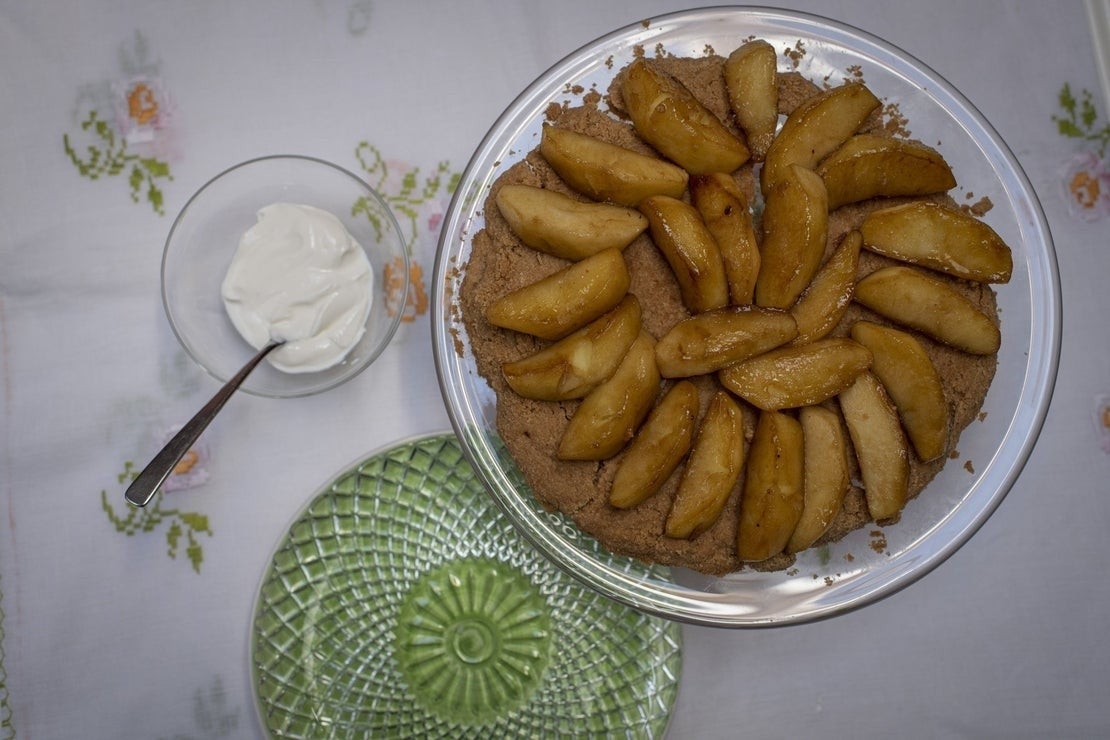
column 402, row 603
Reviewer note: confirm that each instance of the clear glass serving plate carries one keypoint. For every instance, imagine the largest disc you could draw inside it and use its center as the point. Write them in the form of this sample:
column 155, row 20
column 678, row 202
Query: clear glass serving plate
column 400, row 603
column 870, row 563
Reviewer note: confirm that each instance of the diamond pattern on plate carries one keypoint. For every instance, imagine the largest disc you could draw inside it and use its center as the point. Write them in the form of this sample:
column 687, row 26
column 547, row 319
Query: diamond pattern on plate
column 325, row 628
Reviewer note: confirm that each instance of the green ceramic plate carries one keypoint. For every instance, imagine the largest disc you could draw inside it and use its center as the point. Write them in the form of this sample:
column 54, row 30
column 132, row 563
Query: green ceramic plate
column 402, row 603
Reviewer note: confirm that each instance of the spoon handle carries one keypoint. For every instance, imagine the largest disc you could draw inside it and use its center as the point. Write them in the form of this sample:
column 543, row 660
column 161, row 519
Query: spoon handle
column 144, row 486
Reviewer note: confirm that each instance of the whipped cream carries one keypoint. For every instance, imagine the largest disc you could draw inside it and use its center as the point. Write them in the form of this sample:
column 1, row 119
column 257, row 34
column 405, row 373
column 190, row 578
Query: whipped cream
column 299, row 277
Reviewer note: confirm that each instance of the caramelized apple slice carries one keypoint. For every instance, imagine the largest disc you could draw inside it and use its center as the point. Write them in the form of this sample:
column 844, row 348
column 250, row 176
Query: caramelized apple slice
column 773, row 497
column 826, row 475
column 683, row 238
column 607, row 172
column 724, row 209
column 578, row 363
column 913, row 383
column 869, row 166
column 712, row 470
column 658, row 447
column 879, row 444
column 750, row 81
column 822, row 305
column 713, row 340
column 907, row 296
column 569, row 299
column 791, row 377
column 561, row 226
column 675, row 123
column 940, row 238
column 816, row 128
column 606, row 419
column 795, row 228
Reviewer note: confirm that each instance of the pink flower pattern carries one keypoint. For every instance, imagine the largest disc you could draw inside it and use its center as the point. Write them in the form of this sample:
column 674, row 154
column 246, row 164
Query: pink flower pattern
column 1085, row 186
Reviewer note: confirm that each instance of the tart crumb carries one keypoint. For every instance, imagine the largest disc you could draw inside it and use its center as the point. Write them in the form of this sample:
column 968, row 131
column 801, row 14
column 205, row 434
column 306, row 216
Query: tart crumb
column 895, row 124
column 795, row 53
column 980, row 207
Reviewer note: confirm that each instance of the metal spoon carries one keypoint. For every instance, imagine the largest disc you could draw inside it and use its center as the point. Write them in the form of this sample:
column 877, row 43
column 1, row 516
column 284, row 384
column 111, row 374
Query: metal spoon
column 143, row 488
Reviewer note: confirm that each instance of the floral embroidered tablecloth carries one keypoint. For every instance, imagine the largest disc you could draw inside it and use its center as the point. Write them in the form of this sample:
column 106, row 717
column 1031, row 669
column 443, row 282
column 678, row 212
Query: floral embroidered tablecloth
column 117, row 622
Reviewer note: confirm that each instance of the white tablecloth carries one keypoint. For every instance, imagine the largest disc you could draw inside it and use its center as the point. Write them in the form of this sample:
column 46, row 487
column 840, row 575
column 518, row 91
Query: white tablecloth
column 109, row 629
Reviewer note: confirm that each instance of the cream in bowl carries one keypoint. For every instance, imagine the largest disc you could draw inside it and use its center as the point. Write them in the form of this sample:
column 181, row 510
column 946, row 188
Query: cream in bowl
column 300, row 278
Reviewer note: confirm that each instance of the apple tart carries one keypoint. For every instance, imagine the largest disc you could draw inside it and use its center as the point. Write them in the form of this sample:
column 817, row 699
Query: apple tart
column 728, row 313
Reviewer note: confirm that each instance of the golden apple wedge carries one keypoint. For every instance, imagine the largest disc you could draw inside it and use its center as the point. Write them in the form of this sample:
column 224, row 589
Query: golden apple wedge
column 826, row 475
column 909, row 297
column 940, row 238
column 724, row 209
column 682, row 236
column 795, row 229
column 658, row 448
column 912, row 382
column 869, row 166
column 796, row 376
column 879, row 445
column 607, row 418
column 773, row 497
column 751, row 72
column 567, row 300
column 711, row 471
column 579, row 362
column 669, row 117
column 819, row 309
column 607, row 172
column 710, row 341
column 556, row 224
column 816, row 128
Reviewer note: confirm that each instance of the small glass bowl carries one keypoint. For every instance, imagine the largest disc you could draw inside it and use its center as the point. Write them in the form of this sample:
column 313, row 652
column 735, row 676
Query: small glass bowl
column 205, row 235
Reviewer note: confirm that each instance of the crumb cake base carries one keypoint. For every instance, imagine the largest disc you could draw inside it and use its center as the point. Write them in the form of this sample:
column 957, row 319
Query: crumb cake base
column 499, row 263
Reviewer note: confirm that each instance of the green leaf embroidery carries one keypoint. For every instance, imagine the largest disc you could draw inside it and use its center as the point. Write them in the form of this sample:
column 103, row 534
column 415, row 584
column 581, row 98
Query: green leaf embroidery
column 173, row 537
column 136, row 182
column 196, row 522
column 409, row 196
column 152, row 516
column 1067, row 100
column 1068, row 128
column 1080, row 119
column 155, row 167
column 7, row 726
column 404, row 196
column 157, row 202
column 1088, row 114
column 109, row 157
column 195, row 553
